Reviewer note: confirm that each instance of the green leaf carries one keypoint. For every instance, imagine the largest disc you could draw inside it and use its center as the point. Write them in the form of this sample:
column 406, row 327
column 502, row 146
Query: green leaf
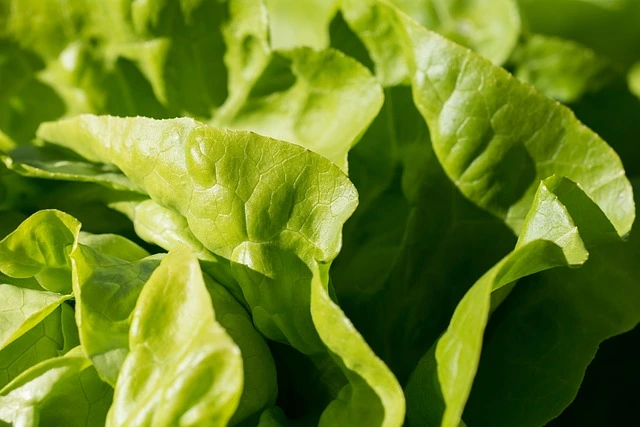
column 130, row 58
column 178, row 46
column 561, row 69
column 385, row 50
column 289, row 211
column 106, row 288
column 35, row 271
column 322, row 100
column 60, row 391
column 39, row 248
column 48, row 163
column 490, row 29
column 35, row 281
column 325, row 106
column 294, row 24
column 112, row 245
column 184, row 369
column 561, row 224
column 55, row 25
column 543, row 339
column 472, row 108
column 398, row 276
column 52, row 337
column 549, row 332
column 82, row 68
column 24, row 308
column 86, row 81
column 167, row 228
column 247, row 54
column 369, row 387
column 262, row 204
column 260, row 385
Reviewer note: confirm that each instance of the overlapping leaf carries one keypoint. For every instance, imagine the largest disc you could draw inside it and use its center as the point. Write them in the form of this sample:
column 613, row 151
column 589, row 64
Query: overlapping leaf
column 184, row 370
column 450, row 163
column 64, row 390
column 35, row 282
column 274, row 224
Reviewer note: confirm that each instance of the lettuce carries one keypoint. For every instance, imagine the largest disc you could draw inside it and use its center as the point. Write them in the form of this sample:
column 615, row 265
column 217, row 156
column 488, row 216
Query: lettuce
column 340, row 212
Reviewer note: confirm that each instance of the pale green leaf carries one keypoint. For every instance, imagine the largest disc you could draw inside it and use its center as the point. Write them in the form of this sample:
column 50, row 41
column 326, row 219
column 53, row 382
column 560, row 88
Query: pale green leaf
column 113, row 245
column 35, row 277
column 183, row 370
column 374, row 26
column 262, row 204
column 22, row 309
column 489, row 28
column 106, row 288
column 63, row 391
column 52, row 337
column 322, row 100
column 39, row 248
column 280, row 202
column 47, row 163
column 300, row 23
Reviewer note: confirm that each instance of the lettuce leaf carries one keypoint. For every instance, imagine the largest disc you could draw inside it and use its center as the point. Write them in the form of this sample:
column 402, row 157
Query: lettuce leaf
column 471, row 108
column 60, row 391
column 491, row 29
column 35, row 284
column 540, row 325
column 562, row 69
column 275, row 248
column 292, row 293
column 322, row 100
column 54, row 336
column 557, row 232
column 185, row 370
